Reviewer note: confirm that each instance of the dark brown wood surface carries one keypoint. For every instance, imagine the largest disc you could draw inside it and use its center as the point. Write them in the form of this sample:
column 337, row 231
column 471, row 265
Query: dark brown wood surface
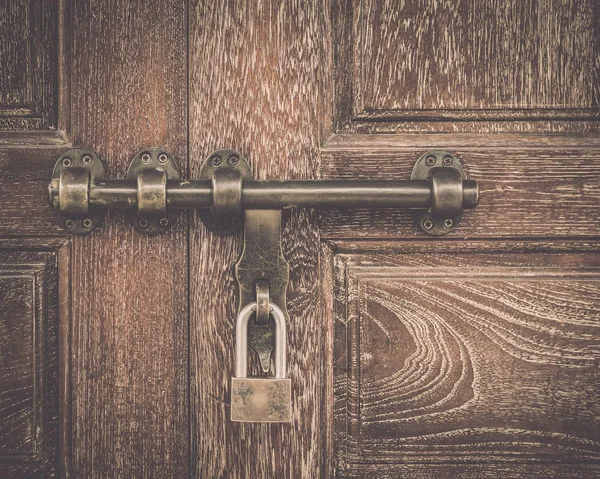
column 472, row 355
column 258, row 83
column 29, row 350
column 128, row 92
column 465, row 354
column 530, row 185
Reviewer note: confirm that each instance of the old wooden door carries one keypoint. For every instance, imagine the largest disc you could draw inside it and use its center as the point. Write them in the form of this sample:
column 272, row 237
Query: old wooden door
column 471, row 355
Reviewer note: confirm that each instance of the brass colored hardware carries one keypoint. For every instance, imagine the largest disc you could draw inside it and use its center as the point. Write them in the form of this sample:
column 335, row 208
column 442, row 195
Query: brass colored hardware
column 437, row 191
column 450, row 192
column 262, row 259
column 69, row 190
column 228, row 198
column 260, row 399
column 151, row 169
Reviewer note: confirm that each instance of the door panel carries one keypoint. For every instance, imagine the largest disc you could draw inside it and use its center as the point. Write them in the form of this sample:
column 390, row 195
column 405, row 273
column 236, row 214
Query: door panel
column 33, row 279
column 258, row 84
column 128, row 91
column 474, row 357
column 467, row 66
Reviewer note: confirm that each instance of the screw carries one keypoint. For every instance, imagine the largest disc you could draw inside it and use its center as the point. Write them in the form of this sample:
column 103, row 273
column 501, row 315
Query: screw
column 164, row 222
column 162, row 158
column 430, row 161
column 235, row 221
column 66, row 162
column 448, row 161
column 233, row 161
column 69, row 224
column 143, row 224
column 216, row 224
column 87, row 159
column 87, row 223
column 427, row 224
column 216, row 161
column 146, row 158
column 448, row 222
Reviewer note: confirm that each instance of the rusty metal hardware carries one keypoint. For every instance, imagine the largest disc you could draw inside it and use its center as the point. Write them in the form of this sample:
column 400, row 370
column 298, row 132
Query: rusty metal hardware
column 436, row 194
column 260, row 399
column 229, row 199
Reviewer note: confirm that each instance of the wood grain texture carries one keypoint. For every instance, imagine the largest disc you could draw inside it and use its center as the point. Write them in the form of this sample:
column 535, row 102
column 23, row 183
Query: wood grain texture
column 466, row 66
column 24, row 176
column 259, row 77
column 129, row 293
column 29, row 381
column 28, row 53
column 530, row 186
column 451, row 363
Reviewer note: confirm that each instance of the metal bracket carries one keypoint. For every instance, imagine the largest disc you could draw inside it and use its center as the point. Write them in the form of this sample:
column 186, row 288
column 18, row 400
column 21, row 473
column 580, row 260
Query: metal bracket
column 226, row 169
column 447, row 177
column 262, row 261
column 69, row 190
column 151, row 168
column 229, row 199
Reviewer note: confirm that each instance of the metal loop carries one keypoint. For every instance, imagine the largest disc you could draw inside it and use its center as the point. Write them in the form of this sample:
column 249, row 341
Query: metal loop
column 241, row 341
column 446, row 193
column 262, row 302
column 226, row 192
column 74, row 192
column 152, row 193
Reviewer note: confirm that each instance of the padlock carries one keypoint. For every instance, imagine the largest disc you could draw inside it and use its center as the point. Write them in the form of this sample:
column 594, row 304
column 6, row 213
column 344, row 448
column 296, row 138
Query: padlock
column 260, row 399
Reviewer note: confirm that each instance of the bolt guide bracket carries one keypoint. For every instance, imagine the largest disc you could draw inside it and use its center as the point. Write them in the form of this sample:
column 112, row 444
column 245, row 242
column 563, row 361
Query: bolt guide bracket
column 229, row 200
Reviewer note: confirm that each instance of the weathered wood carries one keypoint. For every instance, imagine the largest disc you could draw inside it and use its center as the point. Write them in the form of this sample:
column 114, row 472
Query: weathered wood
column 128, row 91
column 29, row 382
column 529, row 186
column 477, row 357
column 501, row 54
column 28, row 52
column 463, row 66
column 24, row 175
column 259, row 83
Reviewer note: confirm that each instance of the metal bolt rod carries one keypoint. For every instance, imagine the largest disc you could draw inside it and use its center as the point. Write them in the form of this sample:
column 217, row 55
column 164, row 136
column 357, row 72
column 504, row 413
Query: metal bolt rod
column 258, row 194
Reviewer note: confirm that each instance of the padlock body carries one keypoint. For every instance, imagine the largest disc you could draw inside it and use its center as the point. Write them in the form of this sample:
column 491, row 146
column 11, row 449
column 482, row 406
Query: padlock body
column 261, row 400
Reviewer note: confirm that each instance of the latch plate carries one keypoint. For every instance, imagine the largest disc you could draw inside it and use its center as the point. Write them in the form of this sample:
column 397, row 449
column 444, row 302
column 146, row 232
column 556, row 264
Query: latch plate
column 430, row 221
column 225, row 159
column 155, row 159
column 85, row 168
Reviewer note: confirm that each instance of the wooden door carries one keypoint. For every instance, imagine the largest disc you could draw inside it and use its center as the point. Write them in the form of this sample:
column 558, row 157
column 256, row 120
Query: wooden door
column 472, row 355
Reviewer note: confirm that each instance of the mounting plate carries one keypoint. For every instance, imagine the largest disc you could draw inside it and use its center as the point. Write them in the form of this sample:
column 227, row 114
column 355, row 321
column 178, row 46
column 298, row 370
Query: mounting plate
column 82, row 159
column 221, row 159
column 153, row 159
column 422, row 171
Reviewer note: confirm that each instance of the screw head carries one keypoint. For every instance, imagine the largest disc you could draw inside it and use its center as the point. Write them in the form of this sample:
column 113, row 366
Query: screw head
column 235, row 221
column 448, row 222
column 448, row 161
column 146, row 158
column 233, row 161
column 162, row 158
column 216, row 161
column 86, row 160
column 164, row 222
column 87, row 223
column 69, row 224
column 427, row 224
column 66, row 162
column 216, row 224
column 143, row 224
column 430, row 161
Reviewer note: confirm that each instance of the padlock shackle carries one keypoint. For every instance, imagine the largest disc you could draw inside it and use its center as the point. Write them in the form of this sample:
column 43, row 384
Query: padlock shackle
column 241, row 341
